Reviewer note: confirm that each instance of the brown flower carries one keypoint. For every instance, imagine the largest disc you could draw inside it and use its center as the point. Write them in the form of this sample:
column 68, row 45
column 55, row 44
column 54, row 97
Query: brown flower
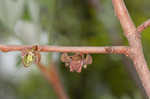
column 76, row 61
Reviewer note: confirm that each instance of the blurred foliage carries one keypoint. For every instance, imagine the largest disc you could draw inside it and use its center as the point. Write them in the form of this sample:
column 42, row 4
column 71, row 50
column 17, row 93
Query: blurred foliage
column 35, row 87
column 76, row 23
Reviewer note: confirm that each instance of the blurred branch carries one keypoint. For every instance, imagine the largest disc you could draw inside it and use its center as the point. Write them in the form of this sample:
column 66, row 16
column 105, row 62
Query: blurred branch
column 104, row 50
column 133, row 36
column 53, row 78
column 143, row 26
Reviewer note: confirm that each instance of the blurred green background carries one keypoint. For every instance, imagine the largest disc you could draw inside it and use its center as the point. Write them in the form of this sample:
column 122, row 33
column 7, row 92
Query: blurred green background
column 69, row 23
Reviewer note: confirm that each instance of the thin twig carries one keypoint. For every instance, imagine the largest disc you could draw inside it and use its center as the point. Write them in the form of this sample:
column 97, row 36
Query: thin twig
column 106, row 49
column 53, row 78
column 143, row 26
column 133, row 36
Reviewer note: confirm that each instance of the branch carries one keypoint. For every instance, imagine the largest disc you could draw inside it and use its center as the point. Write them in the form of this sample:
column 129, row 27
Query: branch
column 96, row 4
column 53, row 78
column 104, row 50
column 124, row 17
column 143, row 26
column 136, row 51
